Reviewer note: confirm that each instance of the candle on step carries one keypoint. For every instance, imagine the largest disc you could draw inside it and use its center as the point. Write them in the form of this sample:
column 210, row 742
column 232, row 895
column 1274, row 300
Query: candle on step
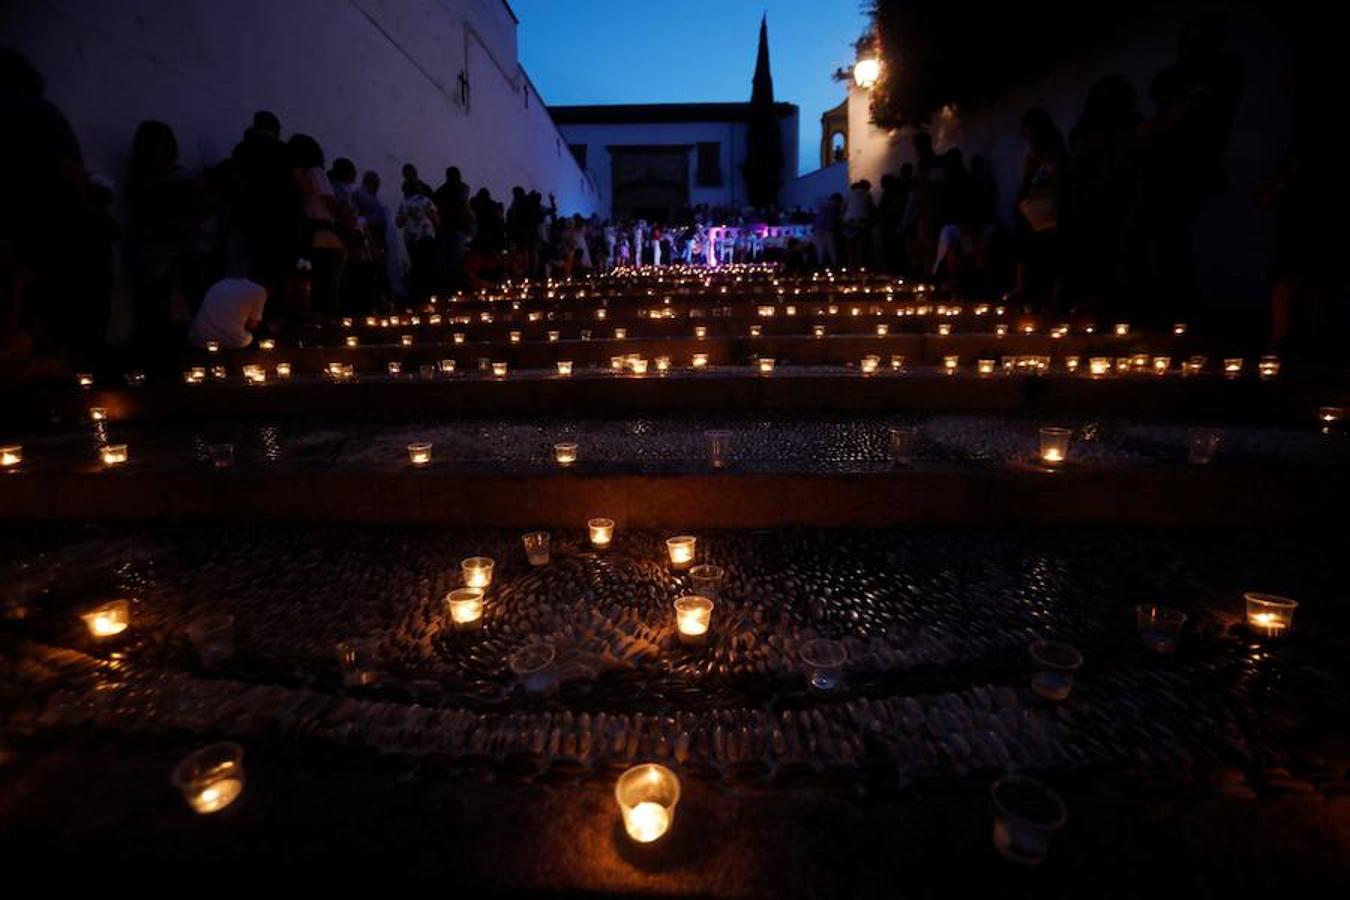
column 681, row 550
column 108, row 619
column 466, row 608
column 113, row 454
column 477, row 571
column 211, row 778
column 1269, row 615
column 601, row 532
column 693, row 618
column 1055, row 445
column 647, row 796
column 419, row 454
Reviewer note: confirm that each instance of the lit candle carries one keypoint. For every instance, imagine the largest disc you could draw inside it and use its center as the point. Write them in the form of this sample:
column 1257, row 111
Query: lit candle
column 1122, row 329
column 554, row 336
column 514, row 337
column 647, row 796
column 639, row 366
column 458, row 337
column 699, row 361
column 97, row 414
column 255, row 374
column 84, row 379
column 1099, row 366
column 883, row 330
column 601, row 532
column 620, row 334
column 283, row 370
column 395, row 367
column 536, row 547
column 663, row 364
column 681, row 550
column 211, row 778
column 818, row 330
column 1268, row 367
column 499, row 369
column 869, row 364
column 195, row 375
column 11, row 456
column 1055, row 445
column 766, row 365
column 419, row 454
column 700, row 331
column 1179, row 328
column 564, row 367
column 693, row 617
column 944, row 328
column 108, row 619
column 212, row 346
column 1330, row 415
column 1071, row 363
column 1001, row 330
column 267, row 344
column 352, row 340
column 950, row 364
column 219, row 373
column 1232, row 367
column 565, row 453
column 985, row 366
column 1161, row 365
column 897, row 362
column 477, row 571
column 466, row 608
column 113, row 454
column 1269, row 615
column 406, row 340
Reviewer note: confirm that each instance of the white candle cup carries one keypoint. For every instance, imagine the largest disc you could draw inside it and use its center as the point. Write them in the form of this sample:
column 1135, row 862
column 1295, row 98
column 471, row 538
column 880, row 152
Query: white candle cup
column 719, row 447
column 818, row 330
column 700, row 331
column 1000, row 330
column 536, row 668
column 113, row 454
column 1099, row 366
column 514, row 337
column 353, row 340
column 1122, row 329
column 564, row 367
column 1026, row 816
column 868, row 364
column 984, row 366
column 699, row 360
column 897, row 362
column 900, row 442
column 706, row 580
column 395, row 368
column 639, row 366
column 465, row 608
column 359, row 660
column 883, row 330
column 944, row 328
column 447, row 367
column 601, row 531
column 419, row 454
column 1055, row 664
column 458, row 337
column 406, row 340
column 1232, row 367
column 1162, row 365
column 195, row 375
column 663, row 364
column 1159, row 627
column 1179, row 328
column 1202, row 445
column 97, row 414
column 681, row 550
column 84, row 379
column 693, row 618
column 1268, row 367
column 1055, row 446
column 212, row 636
column 222, row 455
column 477, row 571
column 766, row 365
column 283, row 370
column 212, row 778
column 212, row 346
column 620, row 334
column 554, row 337
column 950, row 364
column 565, row 453
column 11, row 456
column 537, row 545
column 647, row 796
column 108, row 619
column 823, row 661
column 1269, row 615
column 499, row 369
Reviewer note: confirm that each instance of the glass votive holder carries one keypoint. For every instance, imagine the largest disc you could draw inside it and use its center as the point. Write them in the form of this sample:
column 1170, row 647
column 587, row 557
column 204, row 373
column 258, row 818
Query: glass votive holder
column 554, row 337
column 477, row 571
column 868, row 364
column 1179, row 328
column 255, row 374
column 1330, row 415
column 565, row 453
column 499, row 369
column 211, row 778
column 447, row 367
column 1159, row 627
column 195, row 375
column 113, row 454
column 601, row 531
column 700, row 331
column 458, row 337
column 359, row 659
column 718, row 443
column 897, row 362
column 419, row 454
column 1232, row 367
column 537, row 545
column 681, row 551
column 1202, row 445
column 536, row 668
column 1099, row 366
column 283, row 370
column 984, row 366
column 647, row 796
column 1000, row 330
column 564, row 367
column 84, row 379
column 766, row 364
column 219, row 373
column 901, row 443
column 108, row 619
column 1269, row 615
column 638, row 366
column 352, row 340
column 1026, row 816
column 944, row 328
column 1161, row 365
column 514, row 337
column 406, row 340
column 11, row 456
column 818, row 330
column 699, row 360
column 706, row 580
column 1055, row 445
column 1122, row 329
column 693, row 618
column 97, row 414
column 222, row 455
column 620, row 334
column 663, row 364
column 465, row 608
column 1268, row 367
column 883, row 330
column 1071, row 363
column 1124, row 364
column 213, row 346
column 395, row 368
column 824, row 661
column 950, row 364
column 212, row 636
column 427, row 371
column 1056, row 664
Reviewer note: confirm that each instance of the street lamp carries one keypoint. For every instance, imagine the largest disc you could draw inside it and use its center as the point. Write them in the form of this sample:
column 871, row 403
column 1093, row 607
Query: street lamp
column 866, row 72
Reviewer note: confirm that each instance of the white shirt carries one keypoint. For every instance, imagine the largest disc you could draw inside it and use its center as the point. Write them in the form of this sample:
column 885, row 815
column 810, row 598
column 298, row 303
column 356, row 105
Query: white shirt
column 228, row 304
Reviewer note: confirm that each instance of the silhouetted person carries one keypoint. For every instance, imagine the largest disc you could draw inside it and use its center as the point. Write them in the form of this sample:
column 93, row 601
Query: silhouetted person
column 410, row 177
column 269, row 204
column 322, row 243
column 1037, row 216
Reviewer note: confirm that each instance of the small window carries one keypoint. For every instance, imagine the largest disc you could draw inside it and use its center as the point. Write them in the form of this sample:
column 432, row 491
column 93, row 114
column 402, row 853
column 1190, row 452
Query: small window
column 709, row 172
column 578, row 153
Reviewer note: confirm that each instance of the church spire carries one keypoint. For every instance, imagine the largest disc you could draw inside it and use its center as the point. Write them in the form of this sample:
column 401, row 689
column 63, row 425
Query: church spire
column 763, row 83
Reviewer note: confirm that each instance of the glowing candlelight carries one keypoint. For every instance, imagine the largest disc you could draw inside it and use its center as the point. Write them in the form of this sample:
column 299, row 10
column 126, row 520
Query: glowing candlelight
column 195, row 375
column 536, row 547
column 756, row 330
column 267, row 344
column 766, row 365
column 1055, row 445
column 395, row 367
column 950, row 364
column 212, row 346
column 113, row 454
column 1122, row 329
column 818, row 330
column 447, row 367
column 108, row 619
column 219, row 373
column 663, row 364
column 564, row 367
column 1099, row 366
column 1179, row 328
column 620, row 334
column 693, row 617
column 985, row 366
column 458, row 337
column 699, row 361
column 499, row 369
column 419, row 454
column 283, row 370
column 1071, row 363
column 601, row 532
column 97, row 414
column 639, row 366
column 84, row 379
column 869, row 364
column 465, row 606
column 700, row 331
column 514, row 337
column 883, row 330
column 477, row 571
column 1001, row 330
column 897, row 362
column 211, row 778
column 565, row 453
column 647, row 796
column 1269, row 615
column 255, row 374
column 1268, row 367
column 554, row 337
column 1330, row 415
column 1232, row 367
column 944, row 328
column 11, row 456
column 406, row 340
column 681, row 550
column 1161, row 365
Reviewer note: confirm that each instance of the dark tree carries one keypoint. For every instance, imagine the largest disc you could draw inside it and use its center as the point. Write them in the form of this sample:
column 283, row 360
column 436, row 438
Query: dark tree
column 763, row 168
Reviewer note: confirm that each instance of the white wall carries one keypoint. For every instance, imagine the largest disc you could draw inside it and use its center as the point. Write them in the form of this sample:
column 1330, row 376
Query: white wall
column 808, row 190
column 374, row 80
column 1233, row 238
column 731, row 136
